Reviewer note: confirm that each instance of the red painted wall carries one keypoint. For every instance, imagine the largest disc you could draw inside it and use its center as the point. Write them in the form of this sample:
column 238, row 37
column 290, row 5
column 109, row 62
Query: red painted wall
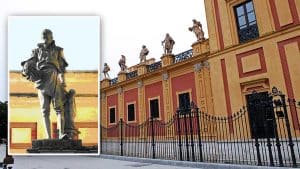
column 112, row 100
column 131, row 96
column 154, row 90
column 182, row 83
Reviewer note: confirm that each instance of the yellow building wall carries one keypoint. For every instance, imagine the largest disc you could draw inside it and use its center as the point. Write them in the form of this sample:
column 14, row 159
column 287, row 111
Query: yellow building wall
column 228, row 22
column 212, row 26
column 274, row 72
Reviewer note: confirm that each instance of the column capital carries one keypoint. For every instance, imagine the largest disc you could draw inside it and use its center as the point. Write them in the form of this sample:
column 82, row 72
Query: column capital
column 165, row 76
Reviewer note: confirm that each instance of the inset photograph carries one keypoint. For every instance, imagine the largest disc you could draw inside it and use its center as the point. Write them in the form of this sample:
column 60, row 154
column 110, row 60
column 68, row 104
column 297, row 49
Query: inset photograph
column 53, row 64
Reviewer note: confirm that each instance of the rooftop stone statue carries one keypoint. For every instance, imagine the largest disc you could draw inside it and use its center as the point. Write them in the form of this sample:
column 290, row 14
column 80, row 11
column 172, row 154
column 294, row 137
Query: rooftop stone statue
column 105, row 71
column 144, row 52
column 197, row 29
column 122, row 63
column 168, row 44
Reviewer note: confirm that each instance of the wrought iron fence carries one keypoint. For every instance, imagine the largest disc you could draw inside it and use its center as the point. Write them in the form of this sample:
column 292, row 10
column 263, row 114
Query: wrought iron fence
column 192, row 135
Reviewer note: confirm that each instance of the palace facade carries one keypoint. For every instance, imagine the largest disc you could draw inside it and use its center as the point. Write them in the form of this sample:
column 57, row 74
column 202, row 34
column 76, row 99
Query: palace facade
column 252, row 45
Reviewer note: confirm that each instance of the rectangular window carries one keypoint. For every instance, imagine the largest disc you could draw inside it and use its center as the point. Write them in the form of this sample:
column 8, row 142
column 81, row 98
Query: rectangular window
column 131, row 112
column 246, row 21
column 261, row 115
column 112, row 115
column 154, row 108
column 184, row 101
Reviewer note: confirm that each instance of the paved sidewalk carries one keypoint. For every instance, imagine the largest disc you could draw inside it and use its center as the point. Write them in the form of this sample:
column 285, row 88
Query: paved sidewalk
column 82, row 162
column 111, row 162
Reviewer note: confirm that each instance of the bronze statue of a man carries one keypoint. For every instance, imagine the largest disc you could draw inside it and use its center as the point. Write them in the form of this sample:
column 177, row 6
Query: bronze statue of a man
column 144, row 52
column 197, row 29
column 46, row 68
column 168, row 43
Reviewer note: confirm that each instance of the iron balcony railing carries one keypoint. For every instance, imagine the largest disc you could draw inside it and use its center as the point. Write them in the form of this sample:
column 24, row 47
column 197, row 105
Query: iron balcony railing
column 131, row 75
column 183, row 56
column 154, row 66
column 113, row 81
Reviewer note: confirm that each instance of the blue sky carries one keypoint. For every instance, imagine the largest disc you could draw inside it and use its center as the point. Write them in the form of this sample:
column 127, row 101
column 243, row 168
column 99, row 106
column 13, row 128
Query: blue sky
column 79, row 36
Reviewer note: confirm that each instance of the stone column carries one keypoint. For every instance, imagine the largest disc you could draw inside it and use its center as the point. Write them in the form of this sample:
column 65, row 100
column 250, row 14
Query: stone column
column 203, row 87
column 120, row 103
column 103, row 113
column 141, row 101
column 167, row 96
column 208, row 89
column 168, row 108
column 141, row 106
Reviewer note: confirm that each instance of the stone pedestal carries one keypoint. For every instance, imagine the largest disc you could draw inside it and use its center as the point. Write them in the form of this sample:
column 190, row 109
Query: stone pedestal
column 142, row 68
column 200, row 47
column 167, row 59
column 105, row 83
column 121, row 76
column 60, row 146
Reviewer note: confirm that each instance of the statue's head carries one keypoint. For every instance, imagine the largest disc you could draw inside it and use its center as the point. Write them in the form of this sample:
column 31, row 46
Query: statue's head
column 194, row 20
column 72, row 92
column 47, row 36
column 143, row 46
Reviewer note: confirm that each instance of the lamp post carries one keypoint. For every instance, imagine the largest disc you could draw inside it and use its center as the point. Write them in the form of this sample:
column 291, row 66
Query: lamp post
column 276, row 92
